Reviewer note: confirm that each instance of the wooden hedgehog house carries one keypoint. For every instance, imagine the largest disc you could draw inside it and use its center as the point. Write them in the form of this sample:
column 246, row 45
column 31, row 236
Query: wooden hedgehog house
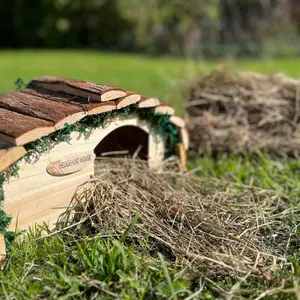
column 52, row 131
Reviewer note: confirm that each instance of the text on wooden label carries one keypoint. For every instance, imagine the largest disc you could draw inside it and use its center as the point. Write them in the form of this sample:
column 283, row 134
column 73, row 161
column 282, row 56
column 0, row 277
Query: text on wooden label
column 70, row 164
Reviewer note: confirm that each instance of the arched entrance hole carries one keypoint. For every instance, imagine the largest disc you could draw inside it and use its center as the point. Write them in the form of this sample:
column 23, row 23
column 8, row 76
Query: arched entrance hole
column 124, row 141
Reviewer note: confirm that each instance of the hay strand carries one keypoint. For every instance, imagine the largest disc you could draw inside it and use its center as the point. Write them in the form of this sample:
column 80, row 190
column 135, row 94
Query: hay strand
column 244, row 112
column 211, row 227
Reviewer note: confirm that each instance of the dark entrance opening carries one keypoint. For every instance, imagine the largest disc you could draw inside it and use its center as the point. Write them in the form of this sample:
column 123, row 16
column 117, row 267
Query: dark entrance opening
column 124, row 141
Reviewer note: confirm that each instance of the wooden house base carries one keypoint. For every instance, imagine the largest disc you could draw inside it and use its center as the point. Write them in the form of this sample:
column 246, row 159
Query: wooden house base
column 43, row 188
column 47, row 181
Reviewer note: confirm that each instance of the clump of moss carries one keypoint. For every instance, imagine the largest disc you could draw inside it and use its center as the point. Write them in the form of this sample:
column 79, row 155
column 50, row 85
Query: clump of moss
column 5, row 220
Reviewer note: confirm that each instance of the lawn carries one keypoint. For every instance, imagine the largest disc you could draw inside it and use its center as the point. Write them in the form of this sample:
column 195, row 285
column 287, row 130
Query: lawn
column 155, row 77
column 77, row 265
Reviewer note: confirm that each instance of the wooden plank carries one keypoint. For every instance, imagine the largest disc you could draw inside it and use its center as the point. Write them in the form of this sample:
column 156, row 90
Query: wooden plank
column 44, row 205
column 177, row 121
column 19, row 129
column 57, row 96
column 10, row 155
column 35, row 196
column 128, row 100
column 5, row 145
column 16, row 190
column 163, row 109
column 33, row 176
column 2, row 252
column 185, row 137
column 58, row 113
column 148, row 102
column 95, row 109
column 181, row 153
column 83, row 103
column 96, row 92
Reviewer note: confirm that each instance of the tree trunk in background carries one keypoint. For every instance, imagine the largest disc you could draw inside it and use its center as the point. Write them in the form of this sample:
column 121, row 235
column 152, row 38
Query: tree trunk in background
column 293, row 9
column 245, row 21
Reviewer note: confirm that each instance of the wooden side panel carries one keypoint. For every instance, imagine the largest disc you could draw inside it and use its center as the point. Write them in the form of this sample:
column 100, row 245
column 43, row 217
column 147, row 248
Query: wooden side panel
column 10, row 155
column 44, row 204
column 185, row 137
column 182, row 155
column 156, row 150
column 37, row 196
column 2, row 252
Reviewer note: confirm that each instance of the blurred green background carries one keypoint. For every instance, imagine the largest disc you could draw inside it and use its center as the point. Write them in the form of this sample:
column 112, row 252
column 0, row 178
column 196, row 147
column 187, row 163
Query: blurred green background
column 209, row 28
column 153, row 47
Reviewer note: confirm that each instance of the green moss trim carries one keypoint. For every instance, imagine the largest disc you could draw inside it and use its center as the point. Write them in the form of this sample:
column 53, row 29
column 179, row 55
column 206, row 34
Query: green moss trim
column 167, row 131
column 5, row 220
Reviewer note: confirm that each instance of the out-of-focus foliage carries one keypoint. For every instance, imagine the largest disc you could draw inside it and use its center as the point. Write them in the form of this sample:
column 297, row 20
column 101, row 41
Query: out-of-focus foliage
column 63, row 23
column 192, row 28
column 173, row 26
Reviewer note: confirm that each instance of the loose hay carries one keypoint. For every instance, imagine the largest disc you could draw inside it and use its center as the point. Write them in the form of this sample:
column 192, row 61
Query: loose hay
column 209, row 226
column 244, row 112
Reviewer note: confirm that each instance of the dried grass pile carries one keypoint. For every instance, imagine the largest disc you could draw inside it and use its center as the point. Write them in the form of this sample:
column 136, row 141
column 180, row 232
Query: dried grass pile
column 244, row 112
column 209, row 226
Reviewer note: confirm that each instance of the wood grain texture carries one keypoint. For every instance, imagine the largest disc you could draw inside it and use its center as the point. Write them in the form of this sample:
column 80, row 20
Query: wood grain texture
column 88, row 106
column 96, row 92
column 112, row 94
column 185, row 137
column 20, row 129
column 163, row 109
column 36, row 170
column 45, row 205
column 35, row 196
column 10, row 155
column 5, row 145
column 128, row 100
column 37, row 111
column 148, row 102
column 58, row 113
column 94, row 109
column 181, row 153
column 177, row 121
column 71, row 164
column 57, row 96
column 2, row 252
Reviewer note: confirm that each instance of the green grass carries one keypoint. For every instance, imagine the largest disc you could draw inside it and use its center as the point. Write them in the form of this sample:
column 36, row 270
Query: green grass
column 155, row 77
column 78, row 265
column 260, row 170
column 151, row 77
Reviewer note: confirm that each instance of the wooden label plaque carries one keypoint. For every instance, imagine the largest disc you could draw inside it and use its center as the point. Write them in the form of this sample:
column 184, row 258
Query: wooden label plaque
column 70, row 164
